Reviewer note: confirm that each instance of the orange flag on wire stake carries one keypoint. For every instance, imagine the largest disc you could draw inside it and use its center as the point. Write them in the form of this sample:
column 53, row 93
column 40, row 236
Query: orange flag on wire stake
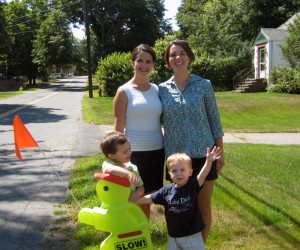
column 23, row 138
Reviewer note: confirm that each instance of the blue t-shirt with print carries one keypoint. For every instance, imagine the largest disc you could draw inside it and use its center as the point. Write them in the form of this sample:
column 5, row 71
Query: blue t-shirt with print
column 182, row 213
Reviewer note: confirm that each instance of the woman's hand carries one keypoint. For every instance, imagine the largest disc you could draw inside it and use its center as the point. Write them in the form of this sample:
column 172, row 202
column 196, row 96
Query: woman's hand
column 220, row 163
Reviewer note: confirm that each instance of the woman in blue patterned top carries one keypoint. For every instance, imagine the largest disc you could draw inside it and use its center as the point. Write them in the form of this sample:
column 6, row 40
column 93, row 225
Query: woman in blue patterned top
column 191, row 119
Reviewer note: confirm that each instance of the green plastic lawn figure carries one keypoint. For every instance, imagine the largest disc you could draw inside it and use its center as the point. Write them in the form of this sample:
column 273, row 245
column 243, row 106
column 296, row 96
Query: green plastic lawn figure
column 126, row 222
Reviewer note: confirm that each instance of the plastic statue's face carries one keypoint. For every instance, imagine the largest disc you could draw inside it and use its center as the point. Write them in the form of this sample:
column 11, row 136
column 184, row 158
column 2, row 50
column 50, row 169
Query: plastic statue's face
column 112, row 193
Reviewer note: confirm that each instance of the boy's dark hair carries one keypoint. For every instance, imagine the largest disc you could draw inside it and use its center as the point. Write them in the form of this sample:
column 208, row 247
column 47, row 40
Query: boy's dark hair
column 110, row 142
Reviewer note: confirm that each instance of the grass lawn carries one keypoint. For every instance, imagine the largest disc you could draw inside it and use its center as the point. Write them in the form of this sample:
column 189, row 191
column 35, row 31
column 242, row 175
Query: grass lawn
column 259, row 112
column 4, row 95
column 240, row 112
column 255, row 202
column 39, row 85
column 256, row 198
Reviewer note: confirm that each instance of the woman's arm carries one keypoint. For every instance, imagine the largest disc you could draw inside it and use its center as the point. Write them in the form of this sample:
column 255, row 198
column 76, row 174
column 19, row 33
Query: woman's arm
column 120, row 106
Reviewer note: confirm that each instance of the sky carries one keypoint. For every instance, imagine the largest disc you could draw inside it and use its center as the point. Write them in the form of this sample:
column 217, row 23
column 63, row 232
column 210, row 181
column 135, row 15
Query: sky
column 171, row 7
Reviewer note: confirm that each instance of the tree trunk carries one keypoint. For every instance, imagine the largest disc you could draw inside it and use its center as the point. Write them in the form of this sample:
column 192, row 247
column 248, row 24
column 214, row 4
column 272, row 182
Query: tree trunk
column 29, row 80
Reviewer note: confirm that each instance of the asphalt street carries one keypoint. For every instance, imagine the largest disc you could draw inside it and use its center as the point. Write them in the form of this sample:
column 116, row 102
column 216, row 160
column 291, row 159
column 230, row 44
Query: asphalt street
column 31, row 192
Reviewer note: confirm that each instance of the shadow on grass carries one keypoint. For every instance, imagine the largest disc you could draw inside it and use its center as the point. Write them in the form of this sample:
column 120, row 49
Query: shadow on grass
column 262, row 217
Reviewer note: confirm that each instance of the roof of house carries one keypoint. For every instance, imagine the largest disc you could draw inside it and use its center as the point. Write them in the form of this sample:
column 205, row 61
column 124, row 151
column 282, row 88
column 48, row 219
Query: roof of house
column 285, row 25
column 275, row 34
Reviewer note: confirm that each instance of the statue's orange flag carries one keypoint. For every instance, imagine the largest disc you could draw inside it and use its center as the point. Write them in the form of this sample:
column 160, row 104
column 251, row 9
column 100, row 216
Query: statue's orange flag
column 23, row 139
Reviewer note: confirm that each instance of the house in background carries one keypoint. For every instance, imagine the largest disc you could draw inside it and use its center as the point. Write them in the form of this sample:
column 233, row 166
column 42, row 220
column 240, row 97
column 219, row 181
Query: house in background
column 267, row 50
column 267, row 55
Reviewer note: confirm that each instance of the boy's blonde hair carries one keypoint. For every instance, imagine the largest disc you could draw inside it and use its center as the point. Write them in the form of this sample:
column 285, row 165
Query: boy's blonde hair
column 179, row 157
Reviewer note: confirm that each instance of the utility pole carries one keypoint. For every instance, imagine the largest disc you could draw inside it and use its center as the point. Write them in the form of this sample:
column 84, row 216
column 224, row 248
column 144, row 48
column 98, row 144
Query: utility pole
column 88, row 45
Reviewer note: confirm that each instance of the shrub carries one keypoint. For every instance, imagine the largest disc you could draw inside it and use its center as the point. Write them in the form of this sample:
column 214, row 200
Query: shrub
column 160, row 72
column 291, row 47
column 285, row 80
column 219, row 71
column 113, row 71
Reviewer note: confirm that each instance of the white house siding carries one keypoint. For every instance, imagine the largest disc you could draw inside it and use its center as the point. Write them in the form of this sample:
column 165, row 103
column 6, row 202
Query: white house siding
column 277, row 57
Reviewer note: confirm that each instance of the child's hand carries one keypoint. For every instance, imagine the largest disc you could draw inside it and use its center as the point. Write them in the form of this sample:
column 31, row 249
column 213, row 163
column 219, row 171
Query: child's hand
column 215, row 154
column 133, row 179
column 134, row 197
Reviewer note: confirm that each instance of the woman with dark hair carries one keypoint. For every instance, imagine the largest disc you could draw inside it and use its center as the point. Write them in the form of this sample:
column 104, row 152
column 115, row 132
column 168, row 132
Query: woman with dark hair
column 191, row 119
column 137, row 111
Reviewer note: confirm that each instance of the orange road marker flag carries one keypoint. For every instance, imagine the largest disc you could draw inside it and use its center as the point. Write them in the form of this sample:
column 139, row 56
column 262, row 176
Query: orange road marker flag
column 23, row 138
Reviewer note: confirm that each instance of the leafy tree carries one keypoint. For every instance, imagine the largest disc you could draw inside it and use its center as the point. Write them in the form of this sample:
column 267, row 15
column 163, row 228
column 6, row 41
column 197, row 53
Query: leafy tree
column 4, row 36
column 53, row 44
column 213, row 25
column 122, row 25
column 5, row 40
column 242, row 18
column 21, row 24
column 291, row 47
column 220, row 42
column 187, row 16
column 224, row 30
column 272, row 15
column 81, row 62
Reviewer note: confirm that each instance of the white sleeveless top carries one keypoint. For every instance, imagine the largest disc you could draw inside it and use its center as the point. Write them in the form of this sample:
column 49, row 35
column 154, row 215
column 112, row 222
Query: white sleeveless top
column 142, row 123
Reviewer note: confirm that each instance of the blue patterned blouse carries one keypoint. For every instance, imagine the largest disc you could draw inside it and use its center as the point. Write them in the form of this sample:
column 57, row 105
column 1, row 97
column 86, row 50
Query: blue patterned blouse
column 191, row 118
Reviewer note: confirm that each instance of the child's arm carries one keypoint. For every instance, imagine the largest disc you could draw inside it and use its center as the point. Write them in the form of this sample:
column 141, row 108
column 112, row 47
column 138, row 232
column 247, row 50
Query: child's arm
column 215, row 154
column 138, row 193
column 119, row 171
column 145, row 200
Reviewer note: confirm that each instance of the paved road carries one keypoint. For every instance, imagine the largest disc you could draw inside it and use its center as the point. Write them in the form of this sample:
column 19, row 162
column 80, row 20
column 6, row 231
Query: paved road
column 30, row 190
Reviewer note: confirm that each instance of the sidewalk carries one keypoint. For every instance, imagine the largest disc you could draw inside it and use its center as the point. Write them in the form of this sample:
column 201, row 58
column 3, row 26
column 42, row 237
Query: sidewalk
column 90, row 135
column 263, row 138
column 258, row 138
